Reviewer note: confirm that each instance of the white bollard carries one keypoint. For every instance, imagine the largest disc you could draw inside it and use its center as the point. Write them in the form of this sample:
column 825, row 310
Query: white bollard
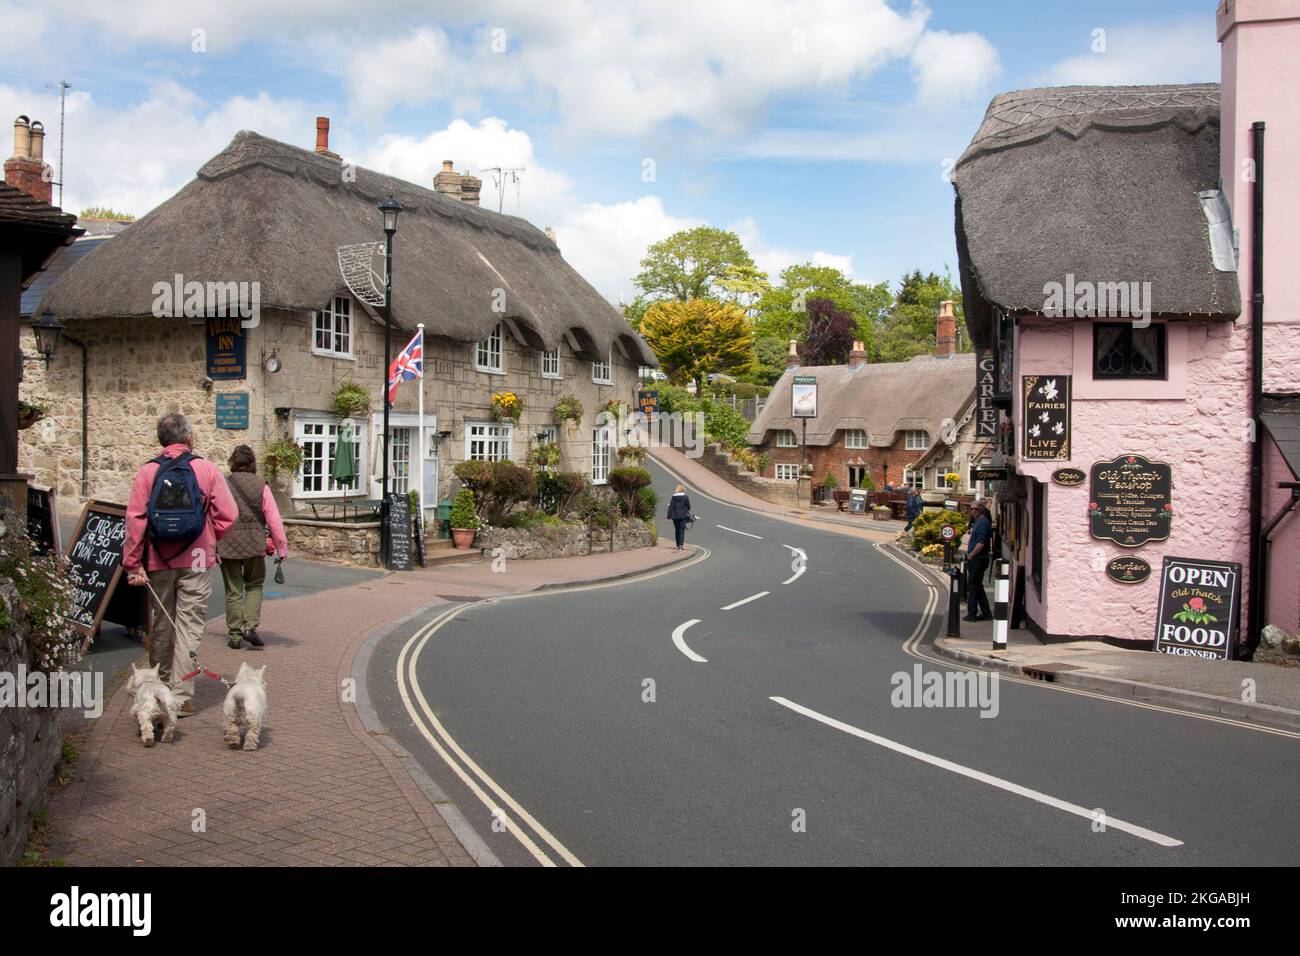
column 1001, row 597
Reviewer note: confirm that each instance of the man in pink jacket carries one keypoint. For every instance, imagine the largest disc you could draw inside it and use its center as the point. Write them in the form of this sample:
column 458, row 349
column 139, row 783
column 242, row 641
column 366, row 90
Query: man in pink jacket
column 181, row 582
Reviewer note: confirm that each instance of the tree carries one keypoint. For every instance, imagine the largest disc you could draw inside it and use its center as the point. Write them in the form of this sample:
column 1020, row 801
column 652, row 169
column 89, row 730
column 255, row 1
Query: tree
column 695, row 338
column 783, row 310
column 745, row 286
column 769, row 360
column 692, row 264
column 829, row 336
column 909, row 327
column 634, row 311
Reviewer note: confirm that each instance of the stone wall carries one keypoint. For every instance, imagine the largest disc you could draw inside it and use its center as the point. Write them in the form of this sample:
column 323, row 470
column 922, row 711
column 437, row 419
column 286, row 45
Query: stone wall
column 354, row 542
column 30, row 741
column 790, row 494
column 564, row 541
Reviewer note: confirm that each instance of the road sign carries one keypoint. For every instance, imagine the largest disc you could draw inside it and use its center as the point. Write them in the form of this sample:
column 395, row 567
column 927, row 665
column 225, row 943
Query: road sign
column 948, row 532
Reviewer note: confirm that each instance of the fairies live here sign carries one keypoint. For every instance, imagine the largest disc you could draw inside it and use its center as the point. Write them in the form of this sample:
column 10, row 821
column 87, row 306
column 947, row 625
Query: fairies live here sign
column 1198, row 608
column 1046, row 417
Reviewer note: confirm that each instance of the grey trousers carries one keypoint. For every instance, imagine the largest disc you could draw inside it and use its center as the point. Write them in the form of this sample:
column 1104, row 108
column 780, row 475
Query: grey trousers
column 184, row 593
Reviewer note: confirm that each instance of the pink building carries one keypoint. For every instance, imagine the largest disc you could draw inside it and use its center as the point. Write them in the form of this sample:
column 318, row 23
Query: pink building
column 1104, row 237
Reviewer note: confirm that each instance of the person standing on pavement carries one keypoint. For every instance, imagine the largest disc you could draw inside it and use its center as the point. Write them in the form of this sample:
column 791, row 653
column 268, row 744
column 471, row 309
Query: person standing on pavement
column 244, row 548
column 679, row 511
column 977, row 564
column 915, row 506
column 176, row 568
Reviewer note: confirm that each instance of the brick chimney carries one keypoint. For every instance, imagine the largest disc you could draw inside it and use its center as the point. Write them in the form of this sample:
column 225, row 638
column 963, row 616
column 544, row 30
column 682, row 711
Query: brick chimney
column 25, row 169
column 792, row 357
column 323, row 138
column 447, row 181
column 945, row 330
column 858, row 357
column 469, row 189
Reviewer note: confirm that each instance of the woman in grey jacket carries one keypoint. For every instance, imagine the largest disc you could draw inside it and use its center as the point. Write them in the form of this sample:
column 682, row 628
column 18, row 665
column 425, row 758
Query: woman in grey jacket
column 679, row 510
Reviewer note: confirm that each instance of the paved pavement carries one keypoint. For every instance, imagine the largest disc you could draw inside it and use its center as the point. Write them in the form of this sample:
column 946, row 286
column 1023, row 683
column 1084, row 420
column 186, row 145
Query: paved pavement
column 325, row 787
column 736, row 710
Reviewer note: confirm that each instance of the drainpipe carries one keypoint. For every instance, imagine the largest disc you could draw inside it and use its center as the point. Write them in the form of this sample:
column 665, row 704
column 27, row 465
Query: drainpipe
column 1255, row 612
column 85, row 415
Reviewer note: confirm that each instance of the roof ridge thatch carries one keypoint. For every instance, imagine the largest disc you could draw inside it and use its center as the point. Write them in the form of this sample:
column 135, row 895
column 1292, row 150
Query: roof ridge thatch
column 265, row 211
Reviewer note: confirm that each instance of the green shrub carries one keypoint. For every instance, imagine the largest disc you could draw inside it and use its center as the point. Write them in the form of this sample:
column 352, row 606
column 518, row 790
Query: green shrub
column 626, row 482
column 598, row 507
column 510, row 485
column 556, row 493
column 45, row 589
column 724, row 424
column 829, row 481
column 477, row 477
column 929, row 524
column 647, row 499
column 463, row 513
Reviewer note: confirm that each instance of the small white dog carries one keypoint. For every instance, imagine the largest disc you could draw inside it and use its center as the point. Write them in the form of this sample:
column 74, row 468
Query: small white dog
column 245, row 706
column 155, row 704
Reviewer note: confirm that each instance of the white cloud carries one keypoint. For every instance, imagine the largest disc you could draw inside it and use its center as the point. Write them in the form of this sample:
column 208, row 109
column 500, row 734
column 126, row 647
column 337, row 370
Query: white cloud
column 953, row 67
column 773, row 259
column 1180, row 51
column 606, row 242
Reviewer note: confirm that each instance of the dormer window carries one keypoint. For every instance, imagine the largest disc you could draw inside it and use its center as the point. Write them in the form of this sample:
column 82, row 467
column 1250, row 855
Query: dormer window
column 602, row 372
column 487, row 353
column 332, row 329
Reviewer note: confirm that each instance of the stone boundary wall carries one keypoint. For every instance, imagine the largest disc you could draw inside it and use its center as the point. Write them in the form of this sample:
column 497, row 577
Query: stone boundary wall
column 784, row 493
column 30, row 741
column 355, row 542
column 564, row 541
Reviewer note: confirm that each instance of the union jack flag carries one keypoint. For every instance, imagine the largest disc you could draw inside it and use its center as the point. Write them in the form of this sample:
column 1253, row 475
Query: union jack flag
column 408, row 365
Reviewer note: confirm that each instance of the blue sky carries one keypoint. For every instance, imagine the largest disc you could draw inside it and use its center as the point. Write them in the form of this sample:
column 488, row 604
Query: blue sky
column 817, row 130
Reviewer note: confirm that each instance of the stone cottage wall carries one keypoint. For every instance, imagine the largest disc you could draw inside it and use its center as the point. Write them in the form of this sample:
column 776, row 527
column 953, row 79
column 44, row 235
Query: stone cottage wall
column 564, row 541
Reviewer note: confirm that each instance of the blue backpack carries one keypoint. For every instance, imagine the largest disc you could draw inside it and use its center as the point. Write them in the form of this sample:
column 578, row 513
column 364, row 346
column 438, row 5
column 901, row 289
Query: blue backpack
column 176, row 511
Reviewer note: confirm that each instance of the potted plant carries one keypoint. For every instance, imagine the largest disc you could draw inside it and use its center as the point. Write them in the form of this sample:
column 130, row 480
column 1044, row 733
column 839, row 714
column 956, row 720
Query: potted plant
column 351, row 401
column 953, row 479
column 568, row 411
column 29, row 413
column 464, row 519
column 545, row 456
column 507, row 405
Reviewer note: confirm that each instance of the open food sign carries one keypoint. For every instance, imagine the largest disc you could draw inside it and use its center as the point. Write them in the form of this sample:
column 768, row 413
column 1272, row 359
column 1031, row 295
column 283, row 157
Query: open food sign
column 1198, row 608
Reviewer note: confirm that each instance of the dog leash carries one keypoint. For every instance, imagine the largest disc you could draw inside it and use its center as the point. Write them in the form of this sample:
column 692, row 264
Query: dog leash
column 194, row 656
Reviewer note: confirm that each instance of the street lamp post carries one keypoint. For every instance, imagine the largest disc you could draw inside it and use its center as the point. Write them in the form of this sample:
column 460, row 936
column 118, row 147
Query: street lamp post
column 390, row 208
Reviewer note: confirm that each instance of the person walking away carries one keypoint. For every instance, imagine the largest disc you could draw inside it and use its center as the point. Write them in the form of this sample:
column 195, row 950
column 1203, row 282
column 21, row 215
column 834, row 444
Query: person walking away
column 243, row 550
column 915, row 507
column 977, row 565
column 679, row 511
column 178, row 509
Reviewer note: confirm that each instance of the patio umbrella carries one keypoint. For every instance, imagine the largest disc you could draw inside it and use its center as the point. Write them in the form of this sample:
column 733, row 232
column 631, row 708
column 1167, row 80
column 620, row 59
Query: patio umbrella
column 344, row 471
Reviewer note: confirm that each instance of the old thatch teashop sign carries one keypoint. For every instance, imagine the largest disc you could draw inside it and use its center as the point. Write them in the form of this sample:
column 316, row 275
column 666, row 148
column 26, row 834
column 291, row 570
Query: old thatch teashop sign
column 1198, row 608
column 1045, row 417
column 1129, row 501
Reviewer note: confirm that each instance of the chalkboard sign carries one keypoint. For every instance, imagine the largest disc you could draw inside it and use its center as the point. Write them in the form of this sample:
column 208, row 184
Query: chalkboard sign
column 858, row 501
column 95, row 556
column 43, row 519
column 1129, row 500
column 398, row 517
column 1198, row 608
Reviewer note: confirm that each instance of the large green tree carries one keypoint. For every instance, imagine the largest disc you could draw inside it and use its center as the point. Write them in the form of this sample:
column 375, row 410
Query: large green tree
column 783, row 309
column 693, row 263
column 699, row 337
column 908, row 329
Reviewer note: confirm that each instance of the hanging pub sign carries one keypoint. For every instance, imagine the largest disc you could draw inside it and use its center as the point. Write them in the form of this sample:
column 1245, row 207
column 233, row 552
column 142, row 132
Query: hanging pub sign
column 1069, row 477
column 1198, row 608
column 227, row 347
column 1128, row 569
column 803, row 397
column 1129, row 501
column 648, row 402
column 1046, row 417
column 986, row 380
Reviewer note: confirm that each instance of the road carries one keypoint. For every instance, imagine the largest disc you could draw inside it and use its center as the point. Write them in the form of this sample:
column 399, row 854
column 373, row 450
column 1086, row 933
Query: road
column 602, row 729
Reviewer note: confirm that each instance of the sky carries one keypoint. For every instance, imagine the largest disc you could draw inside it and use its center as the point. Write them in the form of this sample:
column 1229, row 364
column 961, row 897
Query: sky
column 819, row 131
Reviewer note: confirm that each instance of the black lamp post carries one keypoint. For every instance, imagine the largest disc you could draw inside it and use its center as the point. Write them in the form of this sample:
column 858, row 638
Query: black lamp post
column 49, row 332
column 390, row 208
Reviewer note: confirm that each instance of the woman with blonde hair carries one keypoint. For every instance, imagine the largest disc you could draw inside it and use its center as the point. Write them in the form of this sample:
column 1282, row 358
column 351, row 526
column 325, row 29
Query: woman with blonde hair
column 679, row 511
column 257, row 532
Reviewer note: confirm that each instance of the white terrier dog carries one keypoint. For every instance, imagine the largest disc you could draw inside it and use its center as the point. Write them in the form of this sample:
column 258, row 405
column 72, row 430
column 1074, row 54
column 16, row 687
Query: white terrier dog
column 154, row 704
column 245, row 706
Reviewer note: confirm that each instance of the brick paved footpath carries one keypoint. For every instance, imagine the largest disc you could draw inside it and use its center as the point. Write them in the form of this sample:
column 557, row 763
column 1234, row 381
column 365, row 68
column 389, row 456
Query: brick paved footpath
column 321, row 790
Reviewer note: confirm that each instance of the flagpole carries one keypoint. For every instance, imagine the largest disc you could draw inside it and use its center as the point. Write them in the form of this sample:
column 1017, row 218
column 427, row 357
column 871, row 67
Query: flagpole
column 420, row 523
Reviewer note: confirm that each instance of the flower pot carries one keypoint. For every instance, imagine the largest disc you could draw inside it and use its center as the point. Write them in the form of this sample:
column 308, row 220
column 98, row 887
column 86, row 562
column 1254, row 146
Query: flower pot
column 462, row 538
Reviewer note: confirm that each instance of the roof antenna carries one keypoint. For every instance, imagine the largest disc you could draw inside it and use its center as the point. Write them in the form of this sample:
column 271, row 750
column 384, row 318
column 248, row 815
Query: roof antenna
column 63, row 86
column 500, row 176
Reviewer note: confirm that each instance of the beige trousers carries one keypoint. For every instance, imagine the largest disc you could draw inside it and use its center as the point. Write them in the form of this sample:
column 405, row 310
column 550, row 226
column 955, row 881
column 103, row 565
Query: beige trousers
column 184, row 593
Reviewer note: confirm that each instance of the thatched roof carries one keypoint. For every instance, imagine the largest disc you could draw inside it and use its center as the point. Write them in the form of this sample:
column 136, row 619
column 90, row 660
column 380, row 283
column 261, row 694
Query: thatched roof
column 266, row 211
column 1098, row 182
column 882, row 399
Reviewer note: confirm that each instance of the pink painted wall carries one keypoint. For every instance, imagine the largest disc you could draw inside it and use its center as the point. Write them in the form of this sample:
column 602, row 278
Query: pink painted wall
column 1200, row 427
column 1260, row 75
column 1284, row 551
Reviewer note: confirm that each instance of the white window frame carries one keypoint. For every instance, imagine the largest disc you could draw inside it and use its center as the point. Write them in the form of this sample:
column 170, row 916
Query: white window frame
column 494, row 437
column 551, row 363
column 329, row 428
column 334, row 321
column 786, row 471
column 602, row 454
column 913, row 443
column 914, row 479
column 856, row 438
column 785, row 438
column 490, row 349
column 607, row 367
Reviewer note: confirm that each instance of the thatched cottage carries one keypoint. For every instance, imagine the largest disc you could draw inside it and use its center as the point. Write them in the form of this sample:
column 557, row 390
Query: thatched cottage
column 263, row 222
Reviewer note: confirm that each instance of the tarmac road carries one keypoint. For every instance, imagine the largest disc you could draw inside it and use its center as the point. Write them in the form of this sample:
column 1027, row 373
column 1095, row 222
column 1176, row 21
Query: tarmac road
column 587, row 721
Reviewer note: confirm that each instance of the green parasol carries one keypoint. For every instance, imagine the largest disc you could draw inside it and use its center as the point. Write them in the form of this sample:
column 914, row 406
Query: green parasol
column 344, row 471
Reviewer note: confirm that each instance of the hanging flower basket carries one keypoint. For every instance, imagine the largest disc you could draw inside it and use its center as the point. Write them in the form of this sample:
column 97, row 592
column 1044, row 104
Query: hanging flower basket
column 29, row 413
column 351, row 401
column 568, row 411
column 506, row 406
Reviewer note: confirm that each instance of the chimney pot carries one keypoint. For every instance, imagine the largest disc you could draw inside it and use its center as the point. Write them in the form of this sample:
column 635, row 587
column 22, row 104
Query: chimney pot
column 26, row 169
column 858, row 357
column 22, row 138
column 470, row 186
column 792, row 357
column 37, row 152
column 448, row 182
column 322, row 134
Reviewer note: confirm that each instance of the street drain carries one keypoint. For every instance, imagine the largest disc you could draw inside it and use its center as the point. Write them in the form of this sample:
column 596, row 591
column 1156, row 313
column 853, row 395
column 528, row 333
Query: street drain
column 1046, row 672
